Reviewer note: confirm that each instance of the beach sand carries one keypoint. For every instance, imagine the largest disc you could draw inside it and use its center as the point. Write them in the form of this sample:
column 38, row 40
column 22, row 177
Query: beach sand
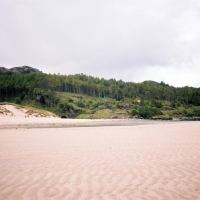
column 150, row 161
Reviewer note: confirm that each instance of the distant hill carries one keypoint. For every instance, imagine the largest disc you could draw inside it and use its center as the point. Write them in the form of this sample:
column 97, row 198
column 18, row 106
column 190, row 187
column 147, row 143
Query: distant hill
column 150, row 82
column 154, row 83
column 19, row 70
column 4, row 70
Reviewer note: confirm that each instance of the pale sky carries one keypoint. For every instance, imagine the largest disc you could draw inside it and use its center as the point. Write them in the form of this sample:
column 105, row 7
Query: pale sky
column 132, row 40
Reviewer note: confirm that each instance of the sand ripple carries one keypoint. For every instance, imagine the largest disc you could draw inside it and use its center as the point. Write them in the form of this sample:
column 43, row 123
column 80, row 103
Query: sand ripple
column 140, row 162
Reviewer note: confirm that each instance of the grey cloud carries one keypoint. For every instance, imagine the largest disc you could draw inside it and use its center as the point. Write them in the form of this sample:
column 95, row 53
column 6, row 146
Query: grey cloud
column 113, row 39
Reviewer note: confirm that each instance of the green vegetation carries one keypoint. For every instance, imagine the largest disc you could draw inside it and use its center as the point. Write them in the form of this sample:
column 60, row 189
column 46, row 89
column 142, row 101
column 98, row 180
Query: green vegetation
column 145, row 111
column 88, row 97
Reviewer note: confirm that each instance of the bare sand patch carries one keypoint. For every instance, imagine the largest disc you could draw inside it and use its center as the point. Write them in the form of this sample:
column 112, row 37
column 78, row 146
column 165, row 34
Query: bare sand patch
column 9, row 110
column 4, row 111
column 128, row 162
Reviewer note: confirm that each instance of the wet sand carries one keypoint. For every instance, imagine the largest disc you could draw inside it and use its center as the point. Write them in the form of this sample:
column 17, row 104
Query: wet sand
column 154, row 161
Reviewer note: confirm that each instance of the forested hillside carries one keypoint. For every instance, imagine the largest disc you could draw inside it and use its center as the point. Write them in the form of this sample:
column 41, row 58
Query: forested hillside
column 47, row 88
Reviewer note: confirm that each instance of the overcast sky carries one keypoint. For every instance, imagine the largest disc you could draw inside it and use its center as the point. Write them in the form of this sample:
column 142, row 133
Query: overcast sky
column 132, row 40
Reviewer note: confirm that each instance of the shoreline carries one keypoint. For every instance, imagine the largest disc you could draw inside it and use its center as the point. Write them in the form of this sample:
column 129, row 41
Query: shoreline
column 17, row 122
column 12, row 117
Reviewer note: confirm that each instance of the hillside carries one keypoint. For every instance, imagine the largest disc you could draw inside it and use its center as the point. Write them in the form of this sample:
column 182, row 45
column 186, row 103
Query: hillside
column 19, row 70
column 84, row 96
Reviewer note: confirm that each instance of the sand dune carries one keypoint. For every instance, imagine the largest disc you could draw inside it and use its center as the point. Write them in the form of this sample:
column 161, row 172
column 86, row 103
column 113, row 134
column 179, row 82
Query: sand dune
column 128, row 162
column 21, row 112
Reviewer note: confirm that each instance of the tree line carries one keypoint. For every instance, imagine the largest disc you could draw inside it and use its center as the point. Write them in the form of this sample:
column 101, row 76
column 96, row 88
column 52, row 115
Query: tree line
column 30, row 84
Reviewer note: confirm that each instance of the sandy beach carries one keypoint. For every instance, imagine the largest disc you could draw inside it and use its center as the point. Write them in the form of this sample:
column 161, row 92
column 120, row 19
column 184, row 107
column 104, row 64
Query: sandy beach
column 146, row 161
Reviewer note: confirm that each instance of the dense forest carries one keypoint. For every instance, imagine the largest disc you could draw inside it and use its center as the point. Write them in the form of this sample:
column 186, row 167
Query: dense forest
column 33, row 85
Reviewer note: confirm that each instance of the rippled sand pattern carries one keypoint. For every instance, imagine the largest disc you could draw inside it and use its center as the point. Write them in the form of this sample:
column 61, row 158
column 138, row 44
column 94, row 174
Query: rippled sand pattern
column 139, row 162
